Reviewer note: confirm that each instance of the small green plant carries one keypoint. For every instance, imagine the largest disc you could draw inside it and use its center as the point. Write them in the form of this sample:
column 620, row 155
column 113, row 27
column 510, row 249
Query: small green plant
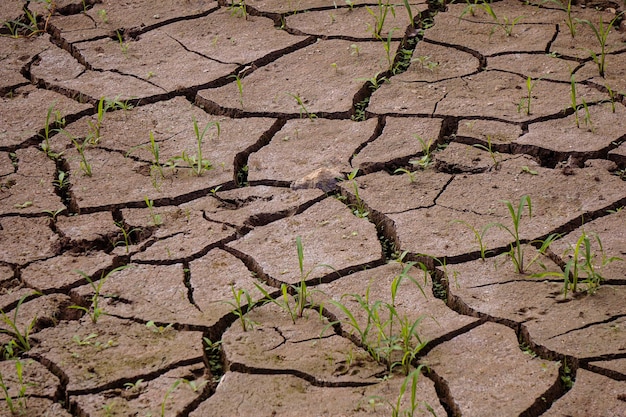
column 426, row 158
column 85, row 166
column 102, row 14
column 238, row 78
column 95, row 310
column 587, row 117
column 87, row 340
column 240, row 309
column 380, row 15
column 410, row 174
column 505, row 24
column 479, row 236
column 525, row 102
column 374, row 82
column 571, row 23
column 157, row 220
column 126, row 235
column 388, row 50
column 612, row 97
column 527, row 170
column 134, row 386
column 58, row 122
column 238, row 9
column 390, row 338
column 303, row 110
column 94, row 128
column 574, row 100
column 20, row 341
column 355, row 50
column 396, row 408
column 120, row 40
column 54, row 213
column 154, row 328
column 169, row 392
column 409, row 11
column 350, row 4
column 16, row 406
column 583, row 265
column 359, row 206
column 425, row 62
column 601, row 31
column 62, row 182
column 494, row 155
column 214, row 356
column 196, row 162
column 516, row 251
column 302, row 295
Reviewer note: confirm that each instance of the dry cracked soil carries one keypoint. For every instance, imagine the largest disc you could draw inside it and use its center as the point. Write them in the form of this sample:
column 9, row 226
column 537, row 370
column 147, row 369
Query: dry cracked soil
column 312, row 208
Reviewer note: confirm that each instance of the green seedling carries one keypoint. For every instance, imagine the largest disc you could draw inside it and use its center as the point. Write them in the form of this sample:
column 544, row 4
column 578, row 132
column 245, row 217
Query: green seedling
column 573, row 98
column 374, row 82
column 396, row 408
column 154, row 328
column 571, row 23
column 102, row 14
column 426, row 159
column 505, row 24
column 527, row 170
column 54, row 213
column 126, row 235
column 601, row 31
column 195, row 386
column 240, row 309
column 350, row 4
column 355, row 50
column 302, row 293
column 19, row 406
column 20, row 341
column 23, row 205
column 62, row 182
column 409, row 11
column 516, row 250
column 85, row 166
column 157, row 220
column 470, row 9
column 494, row 155
column 115, row 104
column 134, row 386
column 238, row 9
column 95, row 310
column 583, row 265
column 169, row 392
column 303, row 110
column 612, row 96
column 525, row 102
column 410, row 174
column 388, row 51
column 587, row 117
column 425, row 62
column 59, row 122
column 479, row 236
column 156, row 168
column 196, row 162
column 214, row 356
column 87, row 340
column 359, row 206
column 380, row 15
column 238, row 80
column 120, row 40
column 94, row 128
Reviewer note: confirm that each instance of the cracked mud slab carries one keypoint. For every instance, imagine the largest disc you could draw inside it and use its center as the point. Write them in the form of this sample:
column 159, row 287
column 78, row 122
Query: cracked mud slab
column 484, row 387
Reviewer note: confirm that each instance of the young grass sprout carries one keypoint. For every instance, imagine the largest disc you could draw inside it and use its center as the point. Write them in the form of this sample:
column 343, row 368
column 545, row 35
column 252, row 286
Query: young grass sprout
column 601, row 31
column 197, row 163
column 20, row 341
column 95, row 310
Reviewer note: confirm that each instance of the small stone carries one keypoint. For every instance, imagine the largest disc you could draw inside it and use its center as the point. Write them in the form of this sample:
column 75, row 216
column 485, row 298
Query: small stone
column 323, row 178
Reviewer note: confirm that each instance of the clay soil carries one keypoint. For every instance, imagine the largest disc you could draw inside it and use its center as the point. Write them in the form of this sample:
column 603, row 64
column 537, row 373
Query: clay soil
column 161, row 162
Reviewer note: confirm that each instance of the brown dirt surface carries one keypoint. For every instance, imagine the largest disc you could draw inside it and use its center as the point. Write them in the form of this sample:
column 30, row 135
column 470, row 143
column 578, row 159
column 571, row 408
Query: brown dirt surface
column 328, row 207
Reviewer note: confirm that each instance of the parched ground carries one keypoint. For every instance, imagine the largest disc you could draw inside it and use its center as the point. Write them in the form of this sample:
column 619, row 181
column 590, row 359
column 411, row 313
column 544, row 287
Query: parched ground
column 283, row 207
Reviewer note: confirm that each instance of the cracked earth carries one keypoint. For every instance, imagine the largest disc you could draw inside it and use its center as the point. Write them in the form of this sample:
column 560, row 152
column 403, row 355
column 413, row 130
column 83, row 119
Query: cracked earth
column 215, row 209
